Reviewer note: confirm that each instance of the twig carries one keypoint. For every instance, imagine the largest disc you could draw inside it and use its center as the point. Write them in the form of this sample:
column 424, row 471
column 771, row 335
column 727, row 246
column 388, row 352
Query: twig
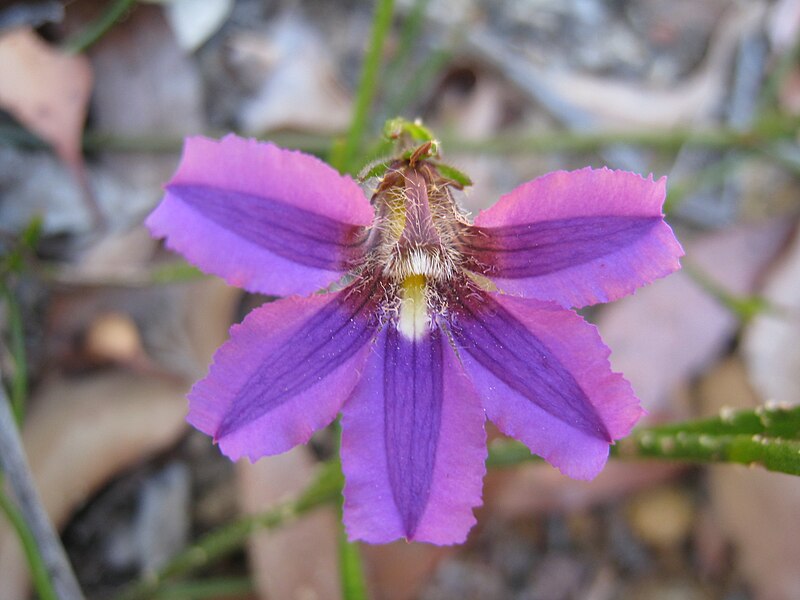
column 15, row 466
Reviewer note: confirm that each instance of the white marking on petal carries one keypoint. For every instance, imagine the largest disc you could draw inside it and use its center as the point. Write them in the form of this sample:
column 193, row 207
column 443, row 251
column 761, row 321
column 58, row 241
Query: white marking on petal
column 414, row 318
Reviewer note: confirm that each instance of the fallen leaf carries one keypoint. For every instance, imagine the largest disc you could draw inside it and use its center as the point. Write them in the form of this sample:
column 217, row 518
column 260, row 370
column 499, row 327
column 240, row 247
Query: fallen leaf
column 147, row 87
column 299, row 560
column 539, row 488
column 400, row 570
column 299, row 87
column 37, row 184
column 770, row 344
column 180, row 325
column 621, row 104
column 81, row 432
column 670, row 330
column 194, row 21
column 46, row 90
column 756, row 509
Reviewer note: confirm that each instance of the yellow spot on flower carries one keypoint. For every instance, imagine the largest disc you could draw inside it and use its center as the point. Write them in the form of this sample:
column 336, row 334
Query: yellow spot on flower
column 414, row 320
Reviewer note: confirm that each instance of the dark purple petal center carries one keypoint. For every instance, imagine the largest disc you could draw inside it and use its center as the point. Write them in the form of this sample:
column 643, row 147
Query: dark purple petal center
column 511, row 352
column 533, row 249
column 321, row 344
column 413, row 395
column 289, row 231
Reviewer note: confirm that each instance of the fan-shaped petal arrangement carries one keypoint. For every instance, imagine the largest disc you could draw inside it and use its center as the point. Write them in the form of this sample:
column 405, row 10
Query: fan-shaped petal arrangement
column 439, row 323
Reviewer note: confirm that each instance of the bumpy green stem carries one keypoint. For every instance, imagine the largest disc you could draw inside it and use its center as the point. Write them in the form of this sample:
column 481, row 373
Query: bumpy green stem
column 773, row 454
column 767, row 436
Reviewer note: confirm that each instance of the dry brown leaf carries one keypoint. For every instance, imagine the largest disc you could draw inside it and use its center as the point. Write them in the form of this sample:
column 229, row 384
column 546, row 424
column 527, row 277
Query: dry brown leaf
column 620, row 104
column 181, row 325
column 299, row 560
column 46, row 90
column 399, row 571
column 79, row 433
column 756, row 509
column 539, row 488
column 195, row 21
column 298, row 85
column 670, row 330
column 146, row 87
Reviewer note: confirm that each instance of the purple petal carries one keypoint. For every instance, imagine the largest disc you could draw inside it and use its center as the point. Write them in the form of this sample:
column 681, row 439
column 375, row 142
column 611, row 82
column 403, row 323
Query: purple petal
column 413, row 444
column 285, row 372
column 577, row 238
column 544, row 378
column 268, row 220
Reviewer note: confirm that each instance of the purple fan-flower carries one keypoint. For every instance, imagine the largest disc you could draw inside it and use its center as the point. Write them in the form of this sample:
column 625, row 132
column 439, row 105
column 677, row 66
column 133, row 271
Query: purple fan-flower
column 437, row 324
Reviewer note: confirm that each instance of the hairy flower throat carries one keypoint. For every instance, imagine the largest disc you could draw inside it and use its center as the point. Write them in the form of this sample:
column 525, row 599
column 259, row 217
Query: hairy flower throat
column 417, row 247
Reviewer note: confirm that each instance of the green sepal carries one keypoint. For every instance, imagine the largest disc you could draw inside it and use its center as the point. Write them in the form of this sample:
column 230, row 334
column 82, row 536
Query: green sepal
column 450, row 172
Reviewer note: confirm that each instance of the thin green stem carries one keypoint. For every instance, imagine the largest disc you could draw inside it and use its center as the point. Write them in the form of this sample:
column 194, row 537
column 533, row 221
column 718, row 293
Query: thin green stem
column 771, row 88
column 351, row 569
column 216, row 589
column 48, row 544
column 420, row 80
column 669, row 140
column 744, row 307
column 98, row 28
column 767, row 436
column 343, row 157
column 41, row 581
column 325, row 489
column 19, row 381
column 759, row 138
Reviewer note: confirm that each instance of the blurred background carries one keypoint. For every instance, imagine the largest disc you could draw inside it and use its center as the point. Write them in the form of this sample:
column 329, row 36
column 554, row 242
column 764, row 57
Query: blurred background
column 104, row 331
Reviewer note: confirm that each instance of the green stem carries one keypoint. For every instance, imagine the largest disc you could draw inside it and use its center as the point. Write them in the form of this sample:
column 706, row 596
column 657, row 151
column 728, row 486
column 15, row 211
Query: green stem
column 325, row 489
column 745, row 308
column 773, row 454
column 97, row 29
column 771, row 88
column 758, row 139
column 17, row 471
column 41, row 581
column 344, row 156
column 768, row 436
column 351, row 569
column 19, row 383
column 671, row 140
column 207, row 588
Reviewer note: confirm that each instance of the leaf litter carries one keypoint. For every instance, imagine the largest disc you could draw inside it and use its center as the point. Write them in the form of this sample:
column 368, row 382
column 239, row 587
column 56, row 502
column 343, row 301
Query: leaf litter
column 115, row 347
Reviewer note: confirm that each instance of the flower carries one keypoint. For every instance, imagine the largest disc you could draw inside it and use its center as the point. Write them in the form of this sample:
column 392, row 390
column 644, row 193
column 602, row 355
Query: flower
column 436, row 324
